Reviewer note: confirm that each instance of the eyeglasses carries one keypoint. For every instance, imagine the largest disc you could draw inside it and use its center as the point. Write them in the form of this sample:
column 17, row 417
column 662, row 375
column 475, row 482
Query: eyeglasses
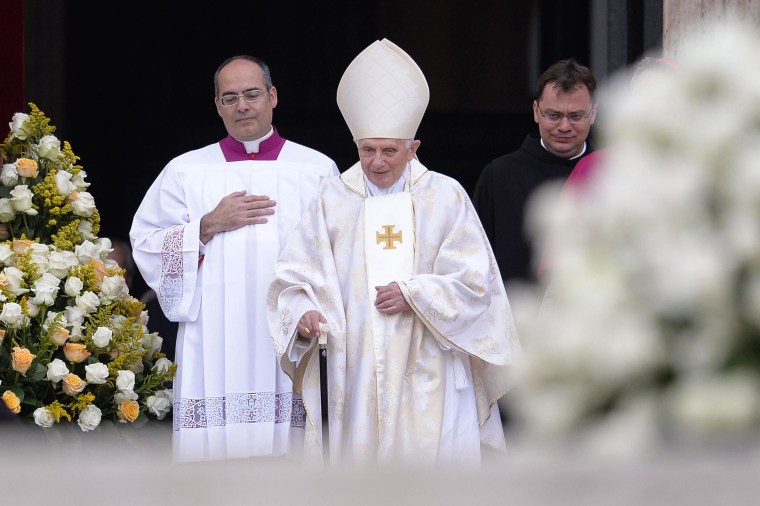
column 556, row 117
column 250, row 96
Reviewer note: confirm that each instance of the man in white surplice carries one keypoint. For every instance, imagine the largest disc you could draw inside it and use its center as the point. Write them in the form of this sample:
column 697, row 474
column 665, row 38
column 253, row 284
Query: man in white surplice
column 393, row 258
column 205, row 238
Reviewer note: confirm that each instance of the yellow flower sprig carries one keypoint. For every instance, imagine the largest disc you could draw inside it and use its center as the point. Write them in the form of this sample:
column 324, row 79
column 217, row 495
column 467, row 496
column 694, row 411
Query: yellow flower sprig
column 58, row 411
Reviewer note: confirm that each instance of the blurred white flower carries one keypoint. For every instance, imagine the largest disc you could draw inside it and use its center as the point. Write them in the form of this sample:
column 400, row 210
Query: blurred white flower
column 649, row 323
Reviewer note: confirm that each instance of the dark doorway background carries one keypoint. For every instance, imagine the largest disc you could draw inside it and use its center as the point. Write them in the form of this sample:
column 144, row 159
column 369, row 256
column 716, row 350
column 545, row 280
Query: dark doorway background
column 129, row 85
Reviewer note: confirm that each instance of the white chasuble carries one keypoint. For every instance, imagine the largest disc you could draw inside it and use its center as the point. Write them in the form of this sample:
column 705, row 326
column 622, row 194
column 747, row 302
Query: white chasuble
column 393, row 394
column 231, row 399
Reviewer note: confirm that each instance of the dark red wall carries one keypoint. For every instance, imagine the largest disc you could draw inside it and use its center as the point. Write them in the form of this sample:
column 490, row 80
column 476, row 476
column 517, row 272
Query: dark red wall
column 11, row 62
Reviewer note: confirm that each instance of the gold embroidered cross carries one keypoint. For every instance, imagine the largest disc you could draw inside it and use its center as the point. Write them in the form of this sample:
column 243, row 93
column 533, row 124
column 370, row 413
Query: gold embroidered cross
column 389, row 237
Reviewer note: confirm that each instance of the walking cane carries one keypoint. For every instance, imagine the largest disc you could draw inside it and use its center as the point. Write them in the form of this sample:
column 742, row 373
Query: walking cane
column 324, row 329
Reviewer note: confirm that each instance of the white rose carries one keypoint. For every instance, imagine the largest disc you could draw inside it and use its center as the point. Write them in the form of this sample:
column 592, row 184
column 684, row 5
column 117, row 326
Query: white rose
column 124, row 395
column 32, row 309
column 48, row 319
column 9, row 176
column 15, row 277
column 51, row 315
column 102, row 337
column 73, row 286
column 46, row 289
column 84, row 205
column 87, row 252
column 43, row 417
column 11, row 314
column 137, row 367
column 6, row 254
column 78, row 180
column 49, row 147
column 105, row 246
column 40, row 254
column 112, row 288
column 160, row 404
column 59, row 263
column 117, row 320
column 152, row 343
column 17, row 125
column 97, row 373
column 85, row 230
column 21, row 200
column 7, row 213
column 57, row 370
column 75, row 332
column 74, row 315
column 125, row 380
column 162, row 365
column 63, row 182
column 89, row 418
column 87, row 302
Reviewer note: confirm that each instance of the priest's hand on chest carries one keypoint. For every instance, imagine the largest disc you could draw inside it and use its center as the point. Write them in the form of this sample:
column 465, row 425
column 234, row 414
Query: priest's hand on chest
column 236, row 210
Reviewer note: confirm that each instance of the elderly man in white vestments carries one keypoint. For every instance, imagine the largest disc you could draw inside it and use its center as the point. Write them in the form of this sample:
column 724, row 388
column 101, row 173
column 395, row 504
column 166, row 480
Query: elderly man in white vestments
column 206, row 238
column 393, row 258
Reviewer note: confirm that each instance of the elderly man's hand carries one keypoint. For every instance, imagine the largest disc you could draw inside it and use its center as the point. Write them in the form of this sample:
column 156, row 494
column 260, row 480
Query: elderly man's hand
column 308, row 324
column 234, row 211
column 390, row 300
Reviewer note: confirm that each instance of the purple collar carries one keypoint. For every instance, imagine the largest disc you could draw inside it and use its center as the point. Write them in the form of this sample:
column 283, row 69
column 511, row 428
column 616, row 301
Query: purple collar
column 234, row 151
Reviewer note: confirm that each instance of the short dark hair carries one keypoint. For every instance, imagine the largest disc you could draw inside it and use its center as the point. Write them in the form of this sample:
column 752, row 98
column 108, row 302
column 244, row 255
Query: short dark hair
column 566, row 75
column 252, row 59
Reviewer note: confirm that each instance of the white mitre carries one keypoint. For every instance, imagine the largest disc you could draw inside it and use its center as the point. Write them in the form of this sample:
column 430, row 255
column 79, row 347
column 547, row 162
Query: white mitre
column 383, row 93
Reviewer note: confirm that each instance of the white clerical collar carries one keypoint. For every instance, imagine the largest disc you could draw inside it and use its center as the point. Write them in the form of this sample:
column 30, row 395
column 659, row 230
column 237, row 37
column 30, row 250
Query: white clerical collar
column 572, row 157
column 373, row 190
column 253, row 146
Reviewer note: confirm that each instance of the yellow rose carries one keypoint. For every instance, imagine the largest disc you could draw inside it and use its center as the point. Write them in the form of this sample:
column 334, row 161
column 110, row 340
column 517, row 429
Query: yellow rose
column 12, row 401
column 26, row 167
column 21, row 245
column 129, row 410
column 72, row 197
column 72, row 384
column 100, row 272
column 60, row 335
column 21, row 359
column 75, row 352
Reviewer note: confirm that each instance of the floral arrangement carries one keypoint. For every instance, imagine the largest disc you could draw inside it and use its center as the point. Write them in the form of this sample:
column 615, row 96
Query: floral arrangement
column 647, row 331
column 73, row 342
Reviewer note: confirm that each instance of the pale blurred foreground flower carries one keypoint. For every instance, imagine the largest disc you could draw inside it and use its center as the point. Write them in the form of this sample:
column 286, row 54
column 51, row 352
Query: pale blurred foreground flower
column 648, row 328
